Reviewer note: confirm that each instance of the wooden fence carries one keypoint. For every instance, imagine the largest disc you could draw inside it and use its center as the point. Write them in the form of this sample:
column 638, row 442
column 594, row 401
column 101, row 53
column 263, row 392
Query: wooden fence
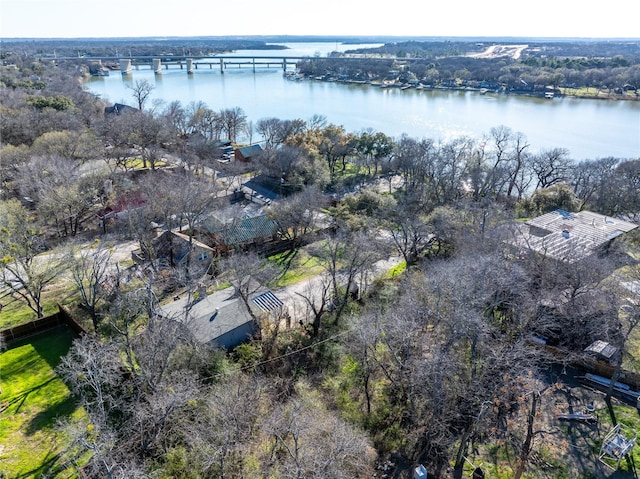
column 37, row 326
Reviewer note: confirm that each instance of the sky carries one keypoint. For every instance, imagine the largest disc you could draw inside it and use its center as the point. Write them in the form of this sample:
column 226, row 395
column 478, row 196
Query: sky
column 458, row 18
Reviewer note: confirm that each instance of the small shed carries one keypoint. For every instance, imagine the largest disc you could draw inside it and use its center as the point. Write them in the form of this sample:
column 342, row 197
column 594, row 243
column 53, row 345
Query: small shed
column 602, row 350
column 120, row 210
column 247, row 153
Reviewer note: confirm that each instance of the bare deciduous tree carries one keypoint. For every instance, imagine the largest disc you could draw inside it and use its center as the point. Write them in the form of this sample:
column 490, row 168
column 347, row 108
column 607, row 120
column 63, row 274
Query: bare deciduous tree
column 348, row 260
column 276, row 132
column 141, row 91
column 133, row 405
column 551, row 167
column 317, row 299
column 89, row 267
column 181, row 199
column 409, row 232
column 25, row 272
column 227, row 423
column 309, row 441
column 234, row 122
column 92, row 371
column 249, row 273
column 297, row 215
column 61, row 192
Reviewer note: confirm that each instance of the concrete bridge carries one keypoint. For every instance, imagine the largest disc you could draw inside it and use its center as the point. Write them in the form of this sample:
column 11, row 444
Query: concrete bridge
column 190, row 64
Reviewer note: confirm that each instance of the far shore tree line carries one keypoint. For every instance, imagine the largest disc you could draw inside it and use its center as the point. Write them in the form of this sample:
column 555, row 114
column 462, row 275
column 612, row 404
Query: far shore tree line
column 612, row 67
column 431, row 364
column 18, row 51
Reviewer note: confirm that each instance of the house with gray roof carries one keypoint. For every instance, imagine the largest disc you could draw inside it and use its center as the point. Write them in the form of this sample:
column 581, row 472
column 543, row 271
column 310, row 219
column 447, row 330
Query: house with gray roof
column 119, row 109
column 221, row 319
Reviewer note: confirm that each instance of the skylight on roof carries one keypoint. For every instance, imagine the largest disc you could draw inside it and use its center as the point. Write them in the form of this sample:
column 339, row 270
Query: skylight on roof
column 268, row 301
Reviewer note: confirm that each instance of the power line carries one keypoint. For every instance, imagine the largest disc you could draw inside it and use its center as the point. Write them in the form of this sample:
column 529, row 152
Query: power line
column 290, row 353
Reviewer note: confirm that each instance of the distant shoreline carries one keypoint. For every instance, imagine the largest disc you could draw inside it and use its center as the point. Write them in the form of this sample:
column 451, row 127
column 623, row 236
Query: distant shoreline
column 558, row 93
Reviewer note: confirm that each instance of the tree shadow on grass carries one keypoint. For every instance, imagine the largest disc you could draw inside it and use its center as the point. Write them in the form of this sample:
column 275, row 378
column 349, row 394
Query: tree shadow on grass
column 49, row 466
column 583, row 439
column 285, row 262
column 51, row 346
column 47, row 419
column 54, row 345
column 15, row 403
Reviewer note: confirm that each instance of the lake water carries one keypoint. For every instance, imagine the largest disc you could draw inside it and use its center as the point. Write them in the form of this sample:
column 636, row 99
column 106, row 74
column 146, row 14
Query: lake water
column 587, row 128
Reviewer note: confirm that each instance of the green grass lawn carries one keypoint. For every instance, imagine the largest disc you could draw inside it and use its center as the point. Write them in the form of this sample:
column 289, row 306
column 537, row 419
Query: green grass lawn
column 295, row 266
column 32, row 398
column 631, row 360
column 396, row 270
column 15, row 311
column 138, row 163
column 627, row 415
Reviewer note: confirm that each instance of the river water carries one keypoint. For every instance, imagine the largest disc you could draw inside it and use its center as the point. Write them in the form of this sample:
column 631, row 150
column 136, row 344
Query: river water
column 587, row 128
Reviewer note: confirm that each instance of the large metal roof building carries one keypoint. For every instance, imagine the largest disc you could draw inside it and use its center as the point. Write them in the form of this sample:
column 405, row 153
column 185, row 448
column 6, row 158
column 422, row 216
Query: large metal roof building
column 569, row 237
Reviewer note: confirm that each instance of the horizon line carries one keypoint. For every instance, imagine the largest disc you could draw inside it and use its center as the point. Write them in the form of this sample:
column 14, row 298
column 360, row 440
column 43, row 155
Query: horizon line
column 332, row 37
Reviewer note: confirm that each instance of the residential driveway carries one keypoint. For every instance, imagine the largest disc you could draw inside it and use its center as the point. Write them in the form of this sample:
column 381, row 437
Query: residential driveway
column 293, row 296
column 122, row 251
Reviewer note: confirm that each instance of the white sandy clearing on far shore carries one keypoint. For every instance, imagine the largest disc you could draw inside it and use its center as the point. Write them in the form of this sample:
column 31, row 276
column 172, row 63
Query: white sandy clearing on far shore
column 495, row 51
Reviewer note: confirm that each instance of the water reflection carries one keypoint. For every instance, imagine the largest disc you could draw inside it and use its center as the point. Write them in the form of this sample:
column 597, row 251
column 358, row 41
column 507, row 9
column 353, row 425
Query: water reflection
column 587, row 128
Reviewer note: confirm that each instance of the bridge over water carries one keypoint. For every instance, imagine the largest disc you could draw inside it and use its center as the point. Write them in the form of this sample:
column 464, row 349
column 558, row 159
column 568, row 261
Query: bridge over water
column 190, row 64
